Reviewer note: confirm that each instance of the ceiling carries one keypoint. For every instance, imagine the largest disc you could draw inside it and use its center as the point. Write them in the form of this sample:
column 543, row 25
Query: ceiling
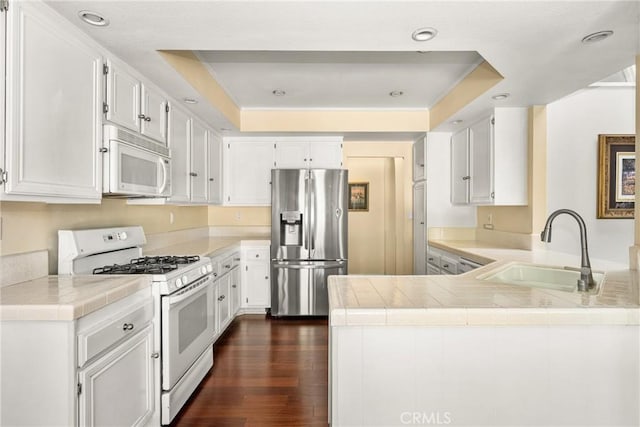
column 351, row 54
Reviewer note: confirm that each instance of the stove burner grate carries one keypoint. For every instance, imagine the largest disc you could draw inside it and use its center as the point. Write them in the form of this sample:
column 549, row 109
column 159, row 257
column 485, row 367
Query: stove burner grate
column 148, row 265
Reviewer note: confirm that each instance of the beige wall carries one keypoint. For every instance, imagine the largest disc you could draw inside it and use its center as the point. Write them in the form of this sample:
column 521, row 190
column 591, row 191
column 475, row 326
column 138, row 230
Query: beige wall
column 401, row 155
column 220, row 216
column 33, row 226
column 372, row 233
column 526, row 219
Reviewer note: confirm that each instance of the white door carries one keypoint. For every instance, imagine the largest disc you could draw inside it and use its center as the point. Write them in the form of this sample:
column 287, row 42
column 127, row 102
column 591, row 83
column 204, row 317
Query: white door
column 199, row 163
column 214, row 193
column 460, row 167
column 325, row 155
column 248, row 175
column 481, row 162
column 118, row 389
column 123, row 98
column 154, row 111
column 291, row 155
column 53, row 109
column 419, row 228
column 180, row 144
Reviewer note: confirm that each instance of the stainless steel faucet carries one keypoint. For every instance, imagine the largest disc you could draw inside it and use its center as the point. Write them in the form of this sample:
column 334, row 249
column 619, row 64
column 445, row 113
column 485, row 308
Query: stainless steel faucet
column 586, row 281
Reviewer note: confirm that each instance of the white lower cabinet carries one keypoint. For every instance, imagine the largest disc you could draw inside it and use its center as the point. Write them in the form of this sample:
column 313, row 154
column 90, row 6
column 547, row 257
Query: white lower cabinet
column 440, row 261
column 117, row 389
column 226, row 265
column 223, row 299
column 100, row 369
column 235, row 291
column 256, row 284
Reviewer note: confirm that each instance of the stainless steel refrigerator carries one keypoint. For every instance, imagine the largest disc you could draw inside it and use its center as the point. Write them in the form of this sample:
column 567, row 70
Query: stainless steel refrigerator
column 308, row 238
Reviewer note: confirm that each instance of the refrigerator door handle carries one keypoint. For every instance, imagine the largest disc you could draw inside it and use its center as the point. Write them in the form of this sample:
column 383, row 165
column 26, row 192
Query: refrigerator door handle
column 312, row 209
column 325, row 265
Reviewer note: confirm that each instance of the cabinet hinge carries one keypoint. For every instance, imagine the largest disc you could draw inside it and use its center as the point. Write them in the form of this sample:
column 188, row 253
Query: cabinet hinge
column 493, row 195
column 4, row 176
column 274, row 145
column 4, row 5
column 274, row 164
column 105, row 107
column 79, row 389
column 229, row 146
column 105, row 69
column 493, row 120
column 228, row 198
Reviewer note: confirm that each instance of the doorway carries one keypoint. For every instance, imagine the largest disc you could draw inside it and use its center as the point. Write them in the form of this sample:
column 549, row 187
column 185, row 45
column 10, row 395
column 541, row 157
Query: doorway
column 373, row 233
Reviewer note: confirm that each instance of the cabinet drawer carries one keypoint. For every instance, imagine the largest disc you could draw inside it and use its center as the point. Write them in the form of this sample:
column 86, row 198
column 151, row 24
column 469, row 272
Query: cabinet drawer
column 105, row 334
column 433, row 259
column 449, row 265
column 257, row 253
column 236, row 259
column 226, row 264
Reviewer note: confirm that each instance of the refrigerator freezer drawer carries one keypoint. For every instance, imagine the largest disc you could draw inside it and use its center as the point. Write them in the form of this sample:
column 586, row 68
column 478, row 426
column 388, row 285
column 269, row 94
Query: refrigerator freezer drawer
column 300, row 288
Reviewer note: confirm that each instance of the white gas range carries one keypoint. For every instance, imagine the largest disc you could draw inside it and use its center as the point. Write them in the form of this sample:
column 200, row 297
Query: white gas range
column 183, row 302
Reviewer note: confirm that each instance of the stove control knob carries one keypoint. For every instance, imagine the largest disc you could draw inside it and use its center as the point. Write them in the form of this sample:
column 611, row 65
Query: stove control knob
column 185, row 279
column 203, row 270
column 209, row 268
column 178, row 282
column 123, row 235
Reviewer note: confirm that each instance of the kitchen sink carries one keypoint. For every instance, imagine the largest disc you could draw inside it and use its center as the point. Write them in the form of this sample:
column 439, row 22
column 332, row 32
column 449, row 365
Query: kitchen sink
column 540, row 276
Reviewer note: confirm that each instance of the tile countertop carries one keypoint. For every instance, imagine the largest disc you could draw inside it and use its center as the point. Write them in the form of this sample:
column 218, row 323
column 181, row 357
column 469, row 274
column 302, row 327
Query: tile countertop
column 71, row 297
column 66, row 297
column 465, row 300
column 207, row 246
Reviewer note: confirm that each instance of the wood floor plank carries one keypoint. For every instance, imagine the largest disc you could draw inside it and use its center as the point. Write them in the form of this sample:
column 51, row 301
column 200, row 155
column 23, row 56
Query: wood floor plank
column 267, row 372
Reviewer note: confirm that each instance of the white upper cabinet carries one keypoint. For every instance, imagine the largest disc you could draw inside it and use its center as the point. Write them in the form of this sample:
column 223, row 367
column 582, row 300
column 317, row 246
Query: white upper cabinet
column 419, row 158
column 53, row 109
column 319, row 153
column 199, row 162
column 180, row 145
column 481, row 162
column 497, row 160
column 134, row 105
column 460, row 167
column 247, row 172
column 214, row 175
column 153, row 122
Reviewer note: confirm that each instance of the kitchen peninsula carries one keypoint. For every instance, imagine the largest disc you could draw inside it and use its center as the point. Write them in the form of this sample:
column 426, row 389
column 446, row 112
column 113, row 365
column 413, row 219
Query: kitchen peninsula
column 461, row 350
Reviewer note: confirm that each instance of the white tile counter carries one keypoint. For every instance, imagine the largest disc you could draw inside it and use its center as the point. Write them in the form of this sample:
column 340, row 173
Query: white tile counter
column 207, row 246
column 66, row 297
column 465, row 300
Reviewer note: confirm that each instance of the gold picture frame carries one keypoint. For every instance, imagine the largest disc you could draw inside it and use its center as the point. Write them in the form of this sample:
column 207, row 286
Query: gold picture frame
column 358, row 196
column 616, row 176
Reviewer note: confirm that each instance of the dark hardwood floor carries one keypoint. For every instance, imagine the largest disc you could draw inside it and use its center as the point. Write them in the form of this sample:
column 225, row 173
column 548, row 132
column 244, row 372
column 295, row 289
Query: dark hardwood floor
column 266, row 372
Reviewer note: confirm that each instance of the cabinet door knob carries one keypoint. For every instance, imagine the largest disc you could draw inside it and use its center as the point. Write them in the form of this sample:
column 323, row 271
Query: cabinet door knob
column 257, row 255
column 147, row 119
column 155, row 355
column 193, row 174
column 234, row 286
column 266, row 277
column 142, row 116
column 211, row 179
column 466, row 178
column 127, row 327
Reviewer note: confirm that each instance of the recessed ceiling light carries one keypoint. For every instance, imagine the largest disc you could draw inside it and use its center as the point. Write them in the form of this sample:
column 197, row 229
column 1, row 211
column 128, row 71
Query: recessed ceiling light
column 456, row 122
column 596, row 37
column 93, row 18
column 424, row 34
column 279, row 92
column 501, row 96
column 396, row 93
column 190, row 101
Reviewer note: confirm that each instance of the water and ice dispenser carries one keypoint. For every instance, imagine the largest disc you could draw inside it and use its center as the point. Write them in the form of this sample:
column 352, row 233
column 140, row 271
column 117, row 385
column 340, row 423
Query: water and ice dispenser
column 291, row 228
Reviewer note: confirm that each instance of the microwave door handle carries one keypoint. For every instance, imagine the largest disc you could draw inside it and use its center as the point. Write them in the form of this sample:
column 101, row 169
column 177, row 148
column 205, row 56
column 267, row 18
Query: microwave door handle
column 164, row 175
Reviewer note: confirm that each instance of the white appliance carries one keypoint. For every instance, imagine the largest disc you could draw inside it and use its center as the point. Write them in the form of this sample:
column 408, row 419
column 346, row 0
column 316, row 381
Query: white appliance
column 134, row 166
column 183, row 297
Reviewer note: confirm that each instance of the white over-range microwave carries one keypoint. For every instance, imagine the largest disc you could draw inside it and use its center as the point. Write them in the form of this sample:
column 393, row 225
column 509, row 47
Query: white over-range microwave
column 134, row 166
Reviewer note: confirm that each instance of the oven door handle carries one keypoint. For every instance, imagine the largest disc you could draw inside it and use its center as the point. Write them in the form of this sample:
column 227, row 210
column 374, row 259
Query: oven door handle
column 189, row 291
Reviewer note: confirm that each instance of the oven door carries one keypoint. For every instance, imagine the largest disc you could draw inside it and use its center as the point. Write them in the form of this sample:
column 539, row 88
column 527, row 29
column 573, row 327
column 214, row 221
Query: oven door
column 136, row 171
column 187, row 328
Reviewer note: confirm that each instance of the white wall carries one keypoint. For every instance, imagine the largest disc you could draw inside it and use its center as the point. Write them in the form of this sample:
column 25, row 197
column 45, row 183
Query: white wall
column 574, row 123
column 440, row 211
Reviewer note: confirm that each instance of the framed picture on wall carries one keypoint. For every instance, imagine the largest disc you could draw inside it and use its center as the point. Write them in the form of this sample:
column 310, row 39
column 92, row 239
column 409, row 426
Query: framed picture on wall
column 358, row 196
column 616, row 176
